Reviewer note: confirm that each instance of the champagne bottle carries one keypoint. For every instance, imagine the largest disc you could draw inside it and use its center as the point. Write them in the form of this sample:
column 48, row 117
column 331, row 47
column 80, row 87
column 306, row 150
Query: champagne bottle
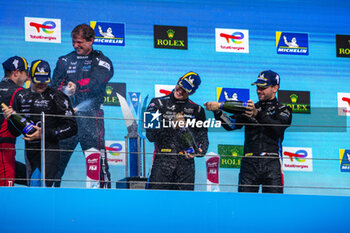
column 232, row 106
column 188, row 141
column 20, row 123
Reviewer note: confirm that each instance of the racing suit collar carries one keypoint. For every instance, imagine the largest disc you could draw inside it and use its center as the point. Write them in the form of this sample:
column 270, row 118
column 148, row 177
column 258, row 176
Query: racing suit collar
column 269, row 102
column 6, row 79
column 174, row 100
column 42, row 93
column 84, row 56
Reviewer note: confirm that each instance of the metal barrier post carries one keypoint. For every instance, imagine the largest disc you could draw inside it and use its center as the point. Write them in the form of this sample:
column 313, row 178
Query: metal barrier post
column 126, row 157
column 139, row 164
column 43, row 168
column 144, row 157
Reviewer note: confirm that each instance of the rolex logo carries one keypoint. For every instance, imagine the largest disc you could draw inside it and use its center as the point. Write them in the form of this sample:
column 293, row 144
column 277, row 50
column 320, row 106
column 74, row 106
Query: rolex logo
column 109, row 90
column 293, row 98
column 165, row 38
column 170, row 33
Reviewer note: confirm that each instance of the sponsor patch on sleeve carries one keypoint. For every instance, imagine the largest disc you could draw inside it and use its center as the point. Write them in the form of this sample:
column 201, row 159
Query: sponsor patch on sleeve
column 104, row 64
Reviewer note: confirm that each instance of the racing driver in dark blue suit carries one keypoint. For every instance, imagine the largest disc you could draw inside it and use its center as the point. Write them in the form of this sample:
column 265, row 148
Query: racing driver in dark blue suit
column 83, row 75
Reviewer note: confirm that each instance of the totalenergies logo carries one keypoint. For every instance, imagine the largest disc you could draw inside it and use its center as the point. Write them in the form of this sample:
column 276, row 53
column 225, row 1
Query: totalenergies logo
column 236, row 37
column 45, row 26
column 298, row 155
column 114, row 149
column 347, row 100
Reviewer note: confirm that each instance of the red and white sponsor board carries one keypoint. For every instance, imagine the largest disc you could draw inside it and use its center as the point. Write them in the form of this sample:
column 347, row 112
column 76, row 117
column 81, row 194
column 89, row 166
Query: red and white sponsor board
column 163, row 90
column 92, row 157
column 297, row 159
column 232, row 40
column 343, row 104
column 115, row 152
column 212, row 161
column 42, row 30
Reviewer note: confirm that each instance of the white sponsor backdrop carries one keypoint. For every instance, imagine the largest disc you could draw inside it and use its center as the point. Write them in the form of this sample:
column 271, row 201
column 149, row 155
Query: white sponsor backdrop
column 36, row 30
column 160, row 90
column 343, row 104
column 295, row 163
column 224, row 40
column 116, row 153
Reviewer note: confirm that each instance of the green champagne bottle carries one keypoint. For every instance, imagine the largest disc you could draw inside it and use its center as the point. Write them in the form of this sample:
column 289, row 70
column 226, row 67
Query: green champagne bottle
column 232, row 106
column 20, row 123
column 188, row 141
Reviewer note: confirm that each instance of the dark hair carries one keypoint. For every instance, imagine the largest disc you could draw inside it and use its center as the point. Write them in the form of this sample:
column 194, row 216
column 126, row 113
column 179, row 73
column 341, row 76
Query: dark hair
column 8, row 73
column 85, row 31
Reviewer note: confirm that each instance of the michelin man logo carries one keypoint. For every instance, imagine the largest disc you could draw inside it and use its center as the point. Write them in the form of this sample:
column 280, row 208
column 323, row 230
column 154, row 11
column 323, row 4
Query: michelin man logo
column 107, row 34
column 234, row 96
column 152, row 120
column 292, row 43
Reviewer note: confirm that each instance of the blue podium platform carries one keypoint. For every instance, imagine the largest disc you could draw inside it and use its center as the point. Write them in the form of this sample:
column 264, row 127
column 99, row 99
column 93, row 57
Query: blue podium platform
column 98, row 210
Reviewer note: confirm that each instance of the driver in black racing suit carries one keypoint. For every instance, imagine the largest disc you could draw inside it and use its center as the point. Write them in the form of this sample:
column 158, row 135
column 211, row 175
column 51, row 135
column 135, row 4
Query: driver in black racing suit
column 173, row 166
column 265, row 123
column 59, row 122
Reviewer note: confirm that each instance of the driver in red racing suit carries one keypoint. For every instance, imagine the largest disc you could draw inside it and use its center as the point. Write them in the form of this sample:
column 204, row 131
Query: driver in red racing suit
column 16, row 73
column 59, row 122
